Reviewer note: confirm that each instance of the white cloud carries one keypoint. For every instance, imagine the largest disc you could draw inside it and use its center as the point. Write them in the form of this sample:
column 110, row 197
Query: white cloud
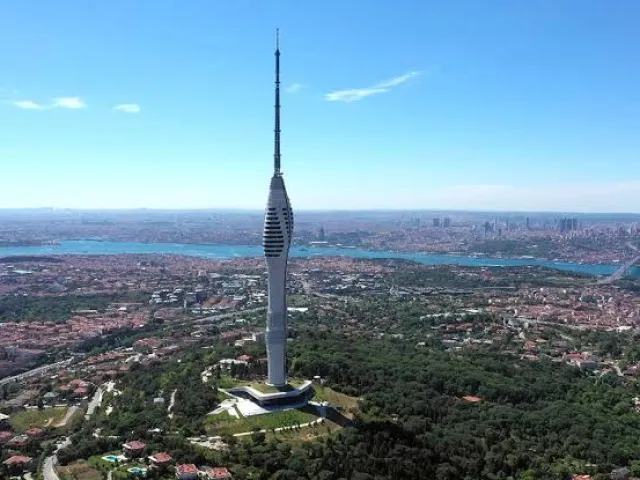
column 399, row 80
column 355, row 94
column 128, row 108
column 29, row 105
column 73, row 103
column 294, row 88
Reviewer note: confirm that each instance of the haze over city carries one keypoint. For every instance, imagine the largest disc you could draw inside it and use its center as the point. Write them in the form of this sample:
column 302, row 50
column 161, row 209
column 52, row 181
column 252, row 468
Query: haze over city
column 520, row 106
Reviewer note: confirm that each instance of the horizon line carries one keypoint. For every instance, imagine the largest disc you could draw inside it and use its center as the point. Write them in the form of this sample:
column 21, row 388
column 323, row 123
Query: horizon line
column 312, row 210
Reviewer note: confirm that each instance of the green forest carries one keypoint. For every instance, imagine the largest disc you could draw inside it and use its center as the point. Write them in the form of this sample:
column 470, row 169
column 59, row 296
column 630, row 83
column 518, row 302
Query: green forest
column 536, row 420
column 57, row 308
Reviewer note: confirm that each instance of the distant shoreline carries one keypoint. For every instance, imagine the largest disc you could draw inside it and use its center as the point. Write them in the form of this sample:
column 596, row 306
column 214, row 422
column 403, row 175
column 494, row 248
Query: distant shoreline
column 222, row 252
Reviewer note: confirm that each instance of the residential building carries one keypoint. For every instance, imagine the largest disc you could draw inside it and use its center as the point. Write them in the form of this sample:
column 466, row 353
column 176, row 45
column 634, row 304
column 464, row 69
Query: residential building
column 134, row 448
column 160, row 459
column 187, row 472
column 217, row 473
column 18, row 463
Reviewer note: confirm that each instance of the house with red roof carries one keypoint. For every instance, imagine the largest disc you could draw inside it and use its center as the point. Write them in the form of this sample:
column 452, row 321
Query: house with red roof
column 187, row 471
column 134, row 448
column 218, row 473
column 160, row 459
column 472, row 399
column 18, row 463
column 81, row 391
column 5, row 436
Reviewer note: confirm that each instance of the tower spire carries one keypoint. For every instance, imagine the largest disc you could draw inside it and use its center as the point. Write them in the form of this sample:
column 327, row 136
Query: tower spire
column 276, row 146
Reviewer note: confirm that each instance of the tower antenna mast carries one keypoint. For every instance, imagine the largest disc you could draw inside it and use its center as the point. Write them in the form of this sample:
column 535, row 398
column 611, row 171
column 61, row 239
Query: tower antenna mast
column 276, row 145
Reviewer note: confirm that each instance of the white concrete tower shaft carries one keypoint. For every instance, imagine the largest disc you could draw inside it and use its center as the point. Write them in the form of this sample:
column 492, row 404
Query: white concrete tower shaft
column 278, row 229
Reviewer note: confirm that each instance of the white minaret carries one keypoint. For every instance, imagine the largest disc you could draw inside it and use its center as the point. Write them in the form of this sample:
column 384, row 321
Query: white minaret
column 278, row 228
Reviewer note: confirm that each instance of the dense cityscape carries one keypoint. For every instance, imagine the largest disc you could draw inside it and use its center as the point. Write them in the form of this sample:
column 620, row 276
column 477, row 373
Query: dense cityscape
column 86, row 338
column 587, row 238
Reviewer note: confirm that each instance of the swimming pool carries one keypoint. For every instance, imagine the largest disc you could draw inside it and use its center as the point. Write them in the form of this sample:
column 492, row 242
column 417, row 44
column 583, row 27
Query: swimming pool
column 112, row 458
column 137, row 471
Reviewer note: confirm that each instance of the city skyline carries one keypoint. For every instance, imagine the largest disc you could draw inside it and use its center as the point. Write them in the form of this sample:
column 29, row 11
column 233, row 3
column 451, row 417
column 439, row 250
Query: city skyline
column 519, row 107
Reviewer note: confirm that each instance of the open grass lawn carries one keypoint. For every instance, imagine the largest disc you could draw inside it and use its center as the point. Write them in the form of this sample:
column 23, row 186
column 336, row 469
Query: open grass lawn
column 37, row 418
column 297, row 436
column 79, row 470
column 268, row 421
column 297, row 300
column 325, row 394
column 227, row 381
column 230, row 382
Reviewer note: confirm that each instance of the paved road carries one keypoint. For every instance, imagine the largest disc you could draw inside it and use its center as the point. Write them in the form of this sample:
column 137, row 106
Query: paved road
column 95, row 402
column 49, row 471
column 36, row 371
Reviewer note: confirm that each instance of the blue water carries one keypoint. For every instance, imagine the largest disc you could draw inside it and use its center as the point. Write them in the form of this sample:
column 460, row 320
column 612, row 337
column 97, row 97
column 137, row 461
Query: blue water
column 91, row 247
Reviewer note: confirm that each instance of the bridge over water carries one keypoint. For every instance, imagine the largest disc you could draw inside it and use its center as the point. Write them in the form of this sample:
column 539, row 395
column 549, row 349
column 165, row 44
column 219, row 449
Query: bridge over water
column 622, row 271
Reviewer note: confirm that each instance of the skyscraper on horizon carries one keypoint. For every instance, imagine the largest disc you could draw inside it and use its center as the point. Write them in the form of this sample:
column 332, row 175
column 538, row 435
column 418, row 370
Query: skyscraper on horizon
column 277, row 234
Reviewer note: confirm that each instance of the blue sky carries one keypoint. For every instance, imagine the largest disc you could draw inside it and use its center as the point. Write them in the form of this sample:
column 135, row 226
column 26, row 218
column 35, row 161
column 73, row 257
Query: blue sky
column 509, row 105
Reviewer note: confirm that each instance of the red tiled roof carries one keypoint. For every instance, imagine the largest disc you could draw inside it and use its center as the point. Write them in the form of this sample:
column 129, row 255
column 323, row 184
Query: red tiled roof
column 472, row 398
column 5, row 436
column 135, row 445
column 218, row 472
column 161, row 457
column 33, row 432
column 187, row 468
column 17, row 460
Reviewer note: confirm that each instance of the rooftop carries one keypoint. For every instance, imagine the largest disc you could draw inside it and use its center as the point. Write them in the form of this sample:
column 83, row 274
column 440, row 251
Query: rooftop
column 134, row 445
column 218, row 472
column 262, row 391
column 187, row 468
column 17, row 460
column 161, row 457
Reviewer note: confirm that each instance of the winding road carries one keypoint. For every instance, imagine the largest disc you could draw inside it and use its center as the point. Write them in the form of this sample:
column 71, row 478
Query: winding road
column 49, row 471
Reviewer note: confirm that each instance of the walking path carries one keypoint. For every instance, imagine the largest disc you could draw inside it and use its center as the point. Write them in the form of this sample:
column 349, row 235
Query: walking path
column 209, row 443
column 172, row 403
column 281, row 429
column 72, row 409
